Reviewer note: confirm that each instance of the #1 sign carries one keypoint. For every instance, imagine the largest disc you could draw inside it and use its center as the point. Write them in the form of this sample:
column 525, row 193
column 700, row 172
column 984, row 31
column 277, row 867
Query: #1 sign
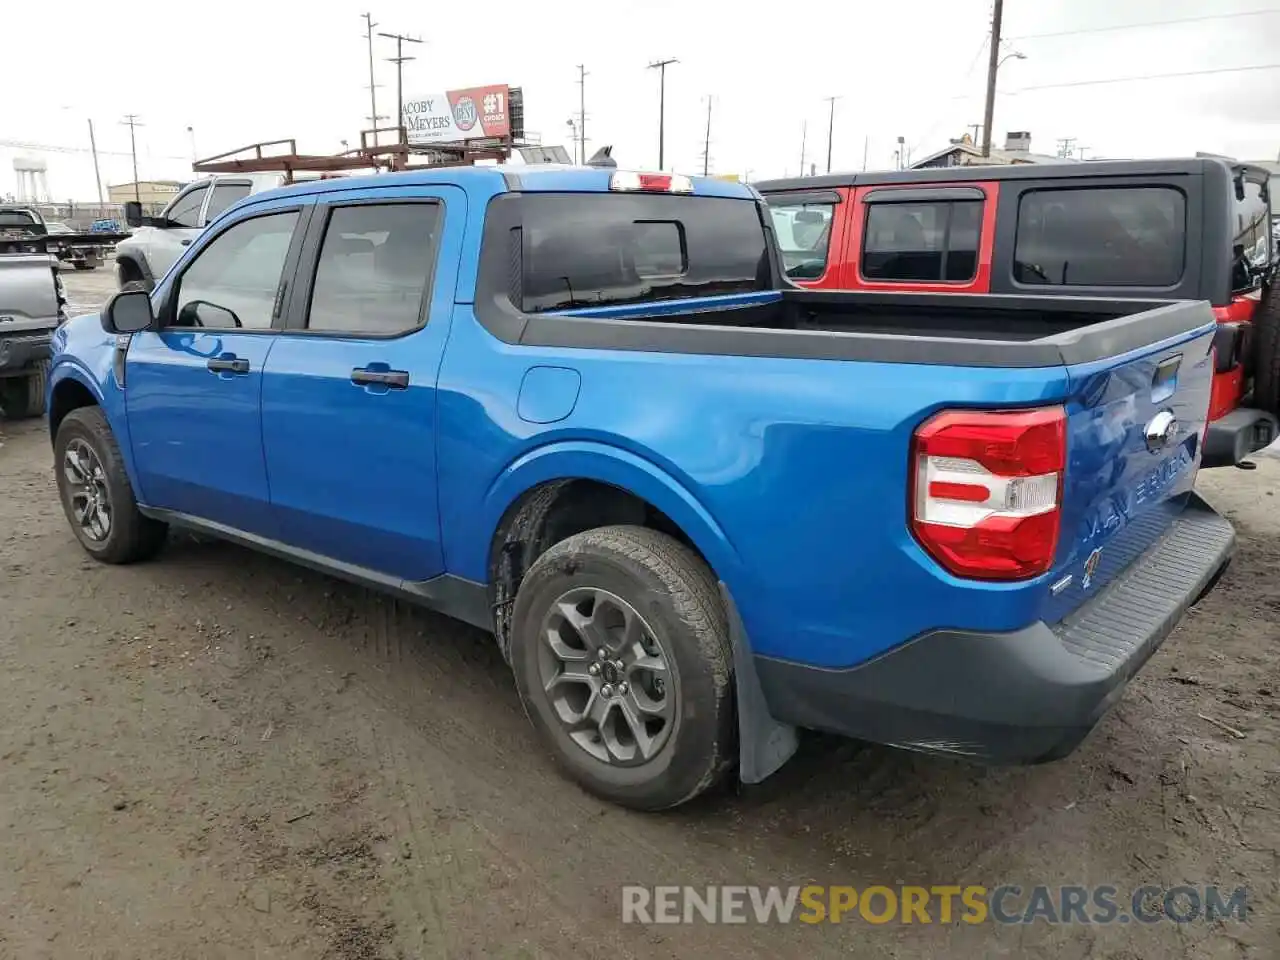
column 476, row 113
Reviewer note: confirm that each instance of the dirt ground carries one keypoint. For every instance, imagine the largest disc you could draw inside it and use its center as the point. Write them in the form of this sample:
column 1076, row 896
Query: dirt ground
column 219, row 755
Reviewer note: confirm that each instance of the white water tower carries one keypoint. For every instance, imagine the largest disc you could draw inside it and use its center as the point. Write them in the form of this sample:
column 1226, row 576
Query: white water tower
column 33, row 180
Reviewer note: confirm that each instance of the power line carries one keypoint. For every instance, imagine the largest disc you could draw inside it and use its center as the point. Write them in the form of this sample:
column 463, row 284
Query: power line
column 399, row 60
column 661, row 67
column 1144, row 77
column 60, row 148
column 582, row 114
column 1148, row 23
column 831, row 127
column 131, row 121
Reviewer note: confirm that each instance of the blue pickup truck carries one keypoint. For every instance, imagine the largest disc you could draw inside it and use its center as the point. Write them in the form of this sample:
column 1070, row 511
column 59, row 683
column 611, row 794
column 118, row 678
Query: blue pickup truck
column 700, row 509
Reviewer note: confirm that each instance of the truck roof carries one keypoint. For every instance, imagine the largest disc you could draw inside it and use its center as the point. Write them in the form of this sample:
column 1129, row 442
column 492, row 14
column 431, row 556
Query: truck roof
column 536, row 178
column 1020, row 171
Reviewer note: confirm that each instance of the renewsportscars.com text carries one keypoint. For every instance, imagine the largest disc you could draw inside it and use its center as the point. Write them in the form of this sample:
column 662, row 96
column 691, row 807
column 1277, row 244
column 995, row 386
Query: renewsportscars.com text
column 944, row 904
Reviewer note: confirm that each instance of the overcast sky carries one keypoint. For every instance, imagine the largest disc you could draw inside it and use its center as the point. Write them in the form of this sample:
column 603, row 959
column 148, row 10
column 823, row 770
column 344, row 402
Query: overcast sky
column 247, row 70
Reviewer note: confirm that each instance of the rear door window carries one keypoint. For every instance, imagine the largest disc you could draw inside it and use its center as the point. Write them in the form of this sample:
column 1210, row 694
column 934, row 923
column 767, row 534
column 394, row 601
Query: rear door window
column 1101, row 237
column 224, row 195
column 933, row 242
column 592, row 250
column 803, row 230
column 374, row 266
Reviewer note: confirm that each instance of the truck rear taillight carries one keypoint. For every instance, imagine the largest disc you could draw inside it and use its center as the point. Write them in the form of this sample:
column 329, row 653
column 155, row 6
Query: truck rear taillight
column 628, row 180
column 986, row 490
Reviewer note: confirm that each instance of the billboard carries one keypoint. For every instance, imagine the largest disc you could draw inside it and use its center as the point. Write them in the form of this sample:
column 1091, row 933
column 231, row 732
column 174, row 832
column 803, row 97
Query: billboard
column 476, row 113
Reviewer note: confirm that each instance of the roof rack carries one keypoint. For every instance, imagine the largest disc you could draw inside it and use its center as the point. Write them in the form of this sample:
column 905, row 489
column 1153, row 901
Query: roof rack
column 282, row 156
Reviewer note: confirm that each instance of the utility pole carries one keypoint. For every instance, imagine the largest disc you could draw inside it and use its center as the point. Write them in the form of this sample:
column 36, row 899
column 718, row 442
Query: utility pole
column 131, row 120
column 831, row 129
column 191, row 134
column 993, row 64
column 866, row 146
column 399, row 60
column 706, row 142
column 661, row 67
column 373, row 96
column 582, row 114
column 804, row 136
column 1065, row 149
column 93, row 148
column 977, row 130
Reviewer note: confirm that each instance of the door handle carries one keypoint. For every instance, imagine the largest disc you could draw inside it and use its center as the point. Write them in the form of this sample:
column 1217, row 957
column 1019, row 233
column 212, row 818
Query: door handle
column 395, row 379
column 186, row 243
column 229, row 365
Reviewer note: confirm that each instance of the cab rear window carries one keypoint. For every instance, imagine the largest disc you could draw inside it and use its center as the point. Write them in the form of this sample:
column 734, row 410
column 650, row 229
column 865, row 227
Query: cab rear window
column 1101, row 237
column 591, row 250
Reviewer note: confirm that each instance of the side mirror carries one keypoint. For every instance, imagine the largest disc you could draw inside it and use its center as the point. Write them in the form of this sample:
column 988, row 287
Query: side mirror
column 128, row 312
column 133, row 214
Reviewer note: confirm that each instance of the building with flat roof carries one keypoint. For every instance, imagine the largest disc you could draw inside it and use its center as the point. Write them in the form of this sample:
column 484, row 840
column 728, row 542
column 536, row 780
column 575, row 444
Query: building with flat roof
column 148, row 191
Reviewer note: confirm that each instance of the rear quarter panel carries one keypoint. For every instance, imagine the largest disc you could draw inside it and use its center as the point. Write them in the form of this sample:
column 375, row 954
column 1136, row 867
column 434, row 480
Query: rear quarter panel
column 791, row 476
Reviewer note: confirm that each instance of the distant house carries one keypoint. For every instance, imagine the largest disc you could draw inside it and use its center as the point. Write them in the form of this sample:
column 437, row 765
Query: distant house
column 964, row 153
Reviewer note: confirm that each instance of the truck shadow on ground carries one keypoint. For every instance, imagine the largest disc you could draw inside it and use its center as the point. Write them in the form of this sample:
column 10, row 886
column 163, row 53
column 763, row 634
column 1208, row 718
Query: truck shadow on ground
column 837, row 804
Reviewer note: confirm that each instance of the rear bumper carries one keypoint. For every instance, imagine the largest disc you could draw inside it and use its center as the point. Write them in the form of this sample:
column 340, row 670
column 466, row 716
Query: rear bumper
column 1233, row 437
column 20, row 350
column 1021, row 697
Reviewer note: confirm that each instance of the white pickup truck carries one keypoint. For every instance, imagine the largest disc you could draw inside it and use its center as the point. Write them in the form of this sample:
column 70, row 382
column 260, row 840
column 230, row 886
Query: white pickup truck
column 157, row 242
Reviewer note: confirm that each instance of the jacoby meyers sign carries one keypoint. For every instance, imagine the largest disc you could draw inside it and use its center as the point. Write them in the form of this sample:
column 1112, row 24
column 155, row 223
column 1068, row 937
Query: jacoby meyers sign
column 476, row 113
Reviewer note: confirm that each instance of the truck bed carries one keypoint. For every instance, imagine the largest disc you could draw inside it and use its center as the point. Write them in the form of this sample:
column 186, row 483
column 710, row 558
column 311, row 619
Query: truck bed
column 958, row 329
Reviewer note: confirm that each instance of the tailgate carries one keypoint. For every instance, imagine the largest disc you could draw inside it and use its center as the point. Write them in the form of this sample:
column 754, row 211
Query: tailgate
column 28, row 291
column 1134, row 432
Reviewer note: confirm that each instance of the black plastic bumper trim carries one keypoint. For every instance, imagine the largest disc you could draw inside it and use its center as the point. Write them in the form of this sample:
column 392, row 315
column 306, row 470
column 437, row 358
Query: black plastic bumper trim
column 1021, row 697
column 1236, row 435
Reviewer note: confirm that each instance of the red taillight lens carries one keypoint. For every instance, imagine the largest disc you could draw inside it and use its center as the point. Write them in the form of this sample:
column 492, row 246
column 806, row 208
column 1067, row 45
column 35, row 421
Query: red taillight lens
column 987, row 490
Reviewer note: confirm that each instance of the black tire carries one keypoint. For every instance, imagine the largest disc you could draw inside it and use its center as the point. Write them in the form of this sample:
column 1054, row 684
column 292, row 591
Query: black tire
column 129, row 276
column 24, row 397
column 1266, row 351
column 131, row 536
column 679, row 602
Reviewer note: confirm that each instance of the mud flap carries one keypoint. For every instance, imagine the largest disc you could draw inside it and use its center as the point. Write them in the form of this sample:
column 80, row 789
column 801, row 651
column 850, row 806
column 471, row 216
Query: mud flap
column 764, row 744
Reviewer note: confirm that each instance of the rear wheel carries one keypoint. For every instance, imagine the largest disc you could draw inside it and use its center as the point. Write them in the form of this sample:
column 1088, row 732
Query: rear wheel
column 96, row 495
column 1266, row 370
column 24, row 396
column 621, row 655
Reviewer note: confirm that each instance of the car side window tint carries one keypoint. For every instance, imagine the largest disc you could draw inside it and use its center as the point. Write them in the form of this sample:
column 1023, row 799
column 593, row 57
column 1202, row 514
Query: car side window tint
column 185, row 211
column 804, row 234
column 224, row 195
column 374, row 266
column 1101, row 236
column 234, row 281
column 924, row 242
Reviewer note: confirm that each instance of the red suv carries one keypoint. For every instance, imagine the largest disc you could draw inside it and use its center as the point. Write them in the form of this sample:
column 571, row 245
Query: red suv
column 1150, row 230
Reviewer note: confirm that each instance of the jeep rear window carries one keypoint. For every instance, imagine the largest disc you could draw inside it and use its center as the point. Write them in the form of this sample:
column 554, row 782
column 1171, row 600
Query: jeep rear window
column 1101, row 237
column 934, row 241
column 590, row 250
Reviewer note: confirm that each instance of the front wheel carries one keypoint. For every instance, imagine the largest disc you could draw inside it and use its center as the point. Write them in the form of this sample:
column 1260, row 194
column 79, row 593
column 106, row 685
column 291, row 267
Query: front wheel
column 96, row 495
column 621, row 655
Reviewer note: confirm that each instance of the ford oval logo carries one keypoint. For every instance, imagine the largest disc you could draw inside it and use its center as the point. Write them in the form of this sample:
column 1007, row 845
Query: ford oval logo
column 1161, row 431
